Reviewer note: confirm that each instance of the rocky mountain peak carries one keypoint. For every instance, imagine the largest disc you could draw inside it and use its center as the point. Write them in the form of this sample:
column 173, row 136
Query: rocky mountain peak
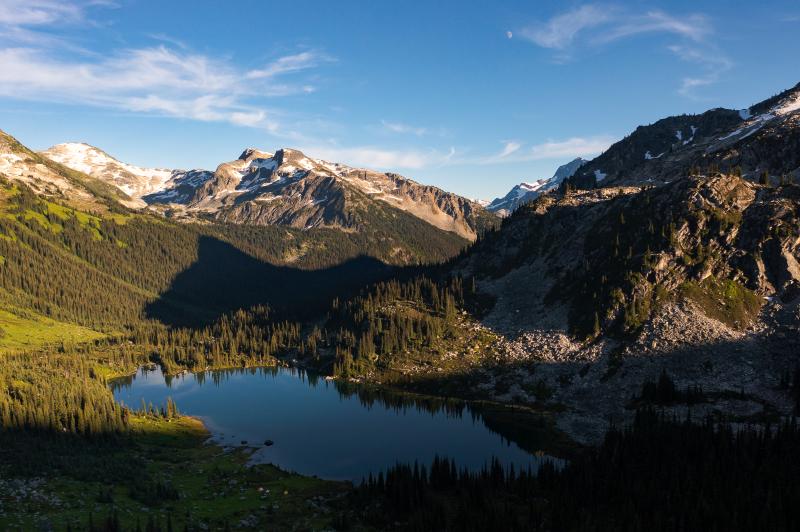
column 135, row 181
column 49, row 177
column 525, row 192
column 284, row 187
column 254, row 153
column 764, row 137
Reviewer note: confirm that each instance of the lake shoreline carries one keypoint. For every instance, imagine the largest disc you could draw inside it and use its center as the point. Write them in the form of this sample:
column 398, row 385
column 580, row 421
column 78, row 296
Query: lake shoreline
column 568, row 446
column 288, row 404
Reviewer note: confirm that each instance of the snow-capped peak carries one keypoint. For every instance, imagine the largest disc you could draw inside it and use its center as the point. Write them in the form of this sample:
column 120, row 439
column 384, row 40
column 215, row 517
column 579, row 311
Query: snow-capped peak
column 135, row 181
column 525, row 192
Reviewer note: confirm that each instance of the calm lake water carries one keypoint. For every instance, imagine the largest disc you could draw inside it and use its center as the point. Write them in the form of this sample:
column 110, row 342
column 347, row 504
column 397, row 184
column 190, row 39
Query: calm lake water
column 325, row 428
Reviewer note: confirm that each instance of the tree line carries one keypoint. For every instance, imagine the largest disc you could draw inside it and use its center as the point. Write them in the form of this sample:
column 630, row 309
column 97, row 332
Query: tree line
column 658, row 474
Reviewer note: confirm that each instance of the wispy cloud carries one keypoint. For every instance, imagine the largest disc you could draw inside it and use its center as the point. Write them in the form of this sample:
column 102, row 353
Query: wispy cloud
column 594, row 25
column 23, row 22
column 571, row 147
column 38, row 12
column 289, row 63
column 514, row 152
column 168, row 79
column 154, row 80
column 400, row 127
column 510, row 147
column 380, row 158
column 560, row 31
column 712, row 63
column 693, row 27
column 603, row 24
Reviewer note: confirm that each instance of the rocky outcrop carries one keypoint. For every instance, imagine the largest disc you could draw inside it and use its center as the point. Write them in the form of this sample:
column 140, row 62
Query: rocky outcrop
column 289, row 188
column 596, row 292
column 762, row 138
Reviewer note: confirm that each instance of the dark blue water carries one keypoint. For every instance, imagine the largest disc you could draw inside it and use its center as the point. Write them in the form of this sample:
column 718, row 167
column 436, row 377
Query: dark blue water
column 323, row 428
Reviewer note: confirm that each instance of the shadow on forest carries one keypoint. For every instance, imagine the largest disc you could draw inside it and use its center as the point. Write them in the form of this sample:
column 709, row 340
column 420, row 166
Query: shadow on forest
column 224, row 279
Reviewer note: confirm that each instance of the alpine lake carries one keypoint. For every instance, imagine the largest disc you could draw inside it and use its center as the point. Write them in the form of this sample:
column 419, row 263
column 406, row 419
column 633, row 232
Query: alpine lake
column 336, row 430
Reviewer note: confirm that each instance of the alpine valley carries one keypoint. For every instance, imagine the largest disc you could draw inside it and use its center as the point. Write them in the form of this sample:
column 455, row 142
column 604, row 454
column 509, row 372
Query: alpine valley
column 633, row 322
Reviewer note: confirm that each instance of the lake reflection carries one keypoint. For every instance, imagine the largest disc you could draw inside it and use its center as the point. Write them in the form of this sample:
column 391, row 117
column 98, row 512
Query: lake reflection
column 329, row 429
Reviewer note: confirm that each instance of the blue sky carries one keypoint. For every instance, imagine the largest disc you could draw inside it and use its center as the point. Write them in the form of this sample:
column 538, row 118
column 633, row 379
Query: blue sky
column 470, row 96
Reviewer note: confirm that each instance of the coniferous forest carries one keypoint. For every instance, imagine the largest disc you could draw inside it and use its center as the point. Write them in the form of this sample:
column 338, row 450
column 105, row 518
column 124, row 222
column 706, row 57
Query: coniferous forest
column 658, row 474
column 137, row 290
column 627, row 329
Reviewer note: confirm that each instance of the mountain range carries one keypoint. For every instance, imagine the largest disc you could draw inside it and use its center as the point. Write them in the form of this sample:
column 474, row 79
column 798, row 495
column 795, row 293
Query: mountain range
column 677, row 250
column 281, row 188
column 662, row 276
column 525, row 192
column 682, row 266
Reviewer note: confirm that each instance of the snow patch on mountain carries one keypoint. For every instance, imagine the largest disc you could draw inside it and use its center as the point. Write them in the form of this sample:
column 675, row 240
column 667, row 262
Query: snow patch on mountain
column 525, row 192
column 789, row 105
column 135, row 181
column 750, row 127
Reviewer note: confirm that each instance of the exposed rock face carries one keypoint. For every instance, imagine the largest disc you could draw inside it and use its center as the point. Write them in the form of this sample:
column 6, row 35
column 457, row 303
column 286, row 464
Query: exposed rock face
column 522, row 193
column 285, row 188
column 289, row 188
column 598, row 291
column 602, row 249
column 764, row 137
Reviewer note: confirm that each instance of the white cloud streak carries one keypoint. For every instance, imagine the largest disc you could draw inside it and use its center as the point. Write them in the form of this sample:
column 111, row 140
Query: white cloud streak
column 510, row 147
column 398, row 127
column 713, row 65
column 514, row 152
column 571, row 147
column 560, row 31
column 151, row 80
column 380, row 158
column 693, row 27
column 603, row 24
column 286, row 64
column 38, row 12
column 596, row 25
column 167, row 80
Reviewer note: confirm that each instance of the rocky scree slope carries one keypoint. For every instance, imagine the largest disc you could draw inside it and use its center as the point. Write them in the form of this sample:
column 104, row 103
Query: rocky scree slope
column 599, row 291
